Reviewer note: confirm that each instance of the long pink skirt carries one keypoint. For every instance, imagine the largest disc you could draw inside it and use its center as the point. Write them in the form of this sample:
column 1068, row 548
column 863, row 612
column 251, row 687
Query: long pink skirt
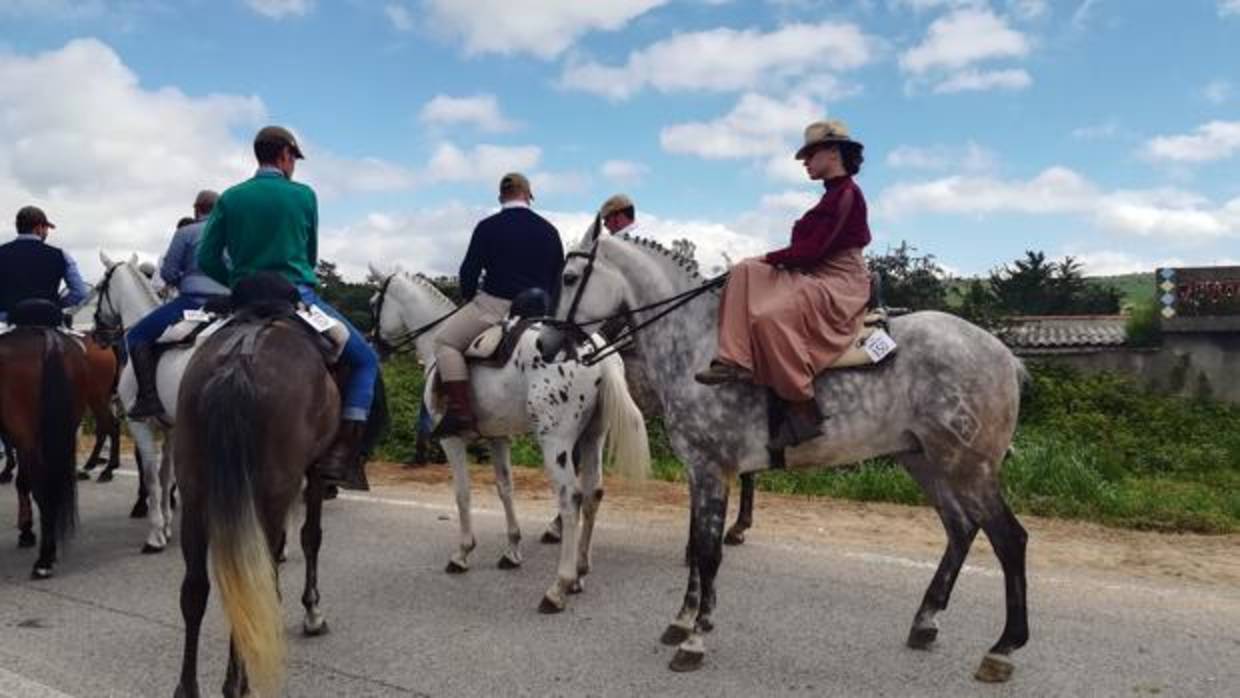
column 789, row 325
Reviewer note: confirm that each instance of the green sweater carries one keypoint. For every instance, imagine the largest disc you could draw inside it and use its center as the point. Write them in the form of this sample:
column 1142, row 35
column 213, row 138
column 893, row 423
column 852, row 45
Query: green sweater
column 267, row 223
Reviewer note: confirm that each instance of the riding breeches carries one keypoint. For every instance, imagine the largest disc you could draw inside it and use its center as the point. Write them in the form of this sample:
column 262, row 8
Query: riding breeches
column 149, row 328
column 461, row 329
column 362, row 361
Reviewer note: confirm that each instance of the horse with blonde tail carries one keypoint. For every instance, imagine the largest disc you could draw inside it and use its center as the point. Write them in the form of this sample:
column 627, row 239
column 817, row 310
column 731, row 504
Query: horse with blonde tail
column 256, row 410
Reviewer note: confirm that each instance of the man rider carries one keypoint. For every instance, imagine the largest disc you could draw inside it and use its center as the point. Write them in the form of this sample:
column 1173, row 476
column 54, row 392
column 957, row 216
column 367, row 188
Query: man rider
column 30, row 268
column 180, row 270
column 518, row 250
column 270, row 223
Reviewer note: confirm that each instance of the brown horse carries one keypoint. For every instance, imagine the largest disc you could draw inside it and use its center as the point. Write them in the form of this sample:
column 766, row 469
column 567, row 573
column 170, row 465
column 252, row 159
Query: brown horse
column 256, row 410
column 43, row 375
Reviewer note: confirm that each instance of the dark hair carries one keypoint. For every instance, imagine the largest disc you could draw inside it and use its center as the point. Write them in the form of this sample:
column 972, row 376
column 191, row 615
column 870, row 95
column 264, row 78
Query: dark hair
column 267, row 152
column 627, row 212
column 850, row 155
column 184, row 222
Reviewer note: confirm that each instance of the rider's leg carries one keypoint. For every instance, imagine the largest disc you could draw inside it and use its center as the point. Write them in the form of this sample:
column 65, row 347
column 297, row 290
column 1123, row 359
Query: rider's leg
column 450, row 344
column 141, row 344
column 343, row 465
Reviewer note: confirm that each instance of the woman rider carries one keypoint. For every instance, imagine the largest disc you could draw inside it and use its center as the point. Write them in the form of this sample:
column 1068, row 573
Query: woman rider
column 789, row 314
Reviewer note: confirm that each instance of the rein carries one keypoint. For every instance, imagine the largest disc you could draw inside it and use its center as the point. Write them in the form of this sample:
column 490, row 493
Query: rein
column 405, row 340
column 613, row 345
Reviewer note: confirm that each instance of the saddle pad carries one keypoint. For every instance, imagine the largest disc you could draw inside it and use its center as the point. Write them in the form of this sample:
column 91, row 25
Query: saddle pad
column 880, row 344
column 485, row 345
column 182, row 331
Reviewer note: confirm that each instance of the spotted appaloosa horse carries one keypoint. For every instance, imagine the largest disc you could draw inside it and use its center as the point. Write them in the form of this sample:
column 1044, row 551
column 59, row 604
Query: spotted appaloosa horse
column 570, row 408
column 945, row 407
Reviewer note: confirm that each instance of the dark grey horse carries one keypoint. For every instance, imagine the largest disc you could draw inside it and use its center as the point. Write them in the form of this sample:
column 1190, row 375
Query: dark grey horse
column 945, row 407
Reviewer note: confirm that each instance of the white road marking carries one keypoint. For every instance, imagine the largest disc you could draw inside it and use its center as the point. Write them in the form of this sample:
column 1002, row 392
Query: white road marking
column 17, row 686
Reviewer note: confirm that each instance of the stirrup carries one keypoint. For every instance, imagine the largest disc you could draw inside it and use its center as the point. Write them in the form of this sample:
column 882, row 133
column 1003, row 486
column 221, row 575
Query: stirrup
column 722, row 372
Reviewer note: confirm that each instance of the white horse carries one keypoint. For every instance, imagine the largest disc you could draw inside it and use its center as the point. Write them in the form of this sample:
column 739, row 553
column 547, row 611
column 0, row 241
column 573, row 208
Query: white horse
column 125, row 296
column 570, row 407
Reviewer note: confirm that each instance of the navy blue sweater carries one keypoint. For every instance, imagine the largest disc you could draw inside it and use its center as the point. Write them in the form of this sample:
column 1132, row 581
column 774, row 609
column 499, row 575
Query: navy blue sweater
column 518, row 249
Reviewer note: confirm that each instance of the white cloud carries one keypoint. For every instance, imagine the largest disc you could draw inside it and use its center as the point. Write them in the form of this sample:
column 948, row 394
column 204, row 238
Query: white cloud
column 482, row 163
column 1080, row 18
column 963, row 38
column 1217, row 91
column 757, row 126
column 1029, row 9
column 1098, row 132
column 1227, row 8
column 924, row 5
column 729, row 60
column 481, row 110
column 400, row 16
column 623, row 172
column 543, row 28
column 971, row 158
column 978, row 80
column 331, row 175
column 1167, row 214
column 1217, row 140
column 277, row 9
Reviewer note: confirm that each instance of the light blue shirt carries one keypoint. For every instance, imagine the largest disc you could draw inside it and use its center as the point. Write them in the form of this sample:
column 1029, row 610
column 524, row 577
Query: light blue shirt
column 180, row 265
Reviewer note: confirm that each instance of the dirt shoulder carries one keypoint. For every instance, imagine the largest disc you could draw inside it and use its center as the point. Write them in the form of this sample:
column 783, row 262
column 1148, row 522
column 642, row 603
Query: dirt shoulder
column 1055, row 547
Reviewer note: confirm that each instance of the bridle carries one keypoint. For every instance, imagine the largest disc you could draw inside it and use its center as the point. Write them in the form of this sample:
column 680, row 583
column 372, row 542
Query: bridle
column 107, row 331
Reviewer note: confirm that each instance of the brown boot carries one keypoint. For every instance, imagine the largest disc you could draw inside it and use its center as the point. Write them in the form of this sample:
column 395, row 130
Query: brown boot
column 723, row 372
column 142, row 357
column 343, row 466
column 459, row 420
column 802, row 422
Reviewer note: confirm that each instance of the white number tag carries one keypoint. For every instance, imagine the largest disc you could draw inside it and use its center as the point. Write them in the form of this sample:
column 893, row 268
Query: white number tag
column 879, row 345
column 319, row 320
column 195, row 315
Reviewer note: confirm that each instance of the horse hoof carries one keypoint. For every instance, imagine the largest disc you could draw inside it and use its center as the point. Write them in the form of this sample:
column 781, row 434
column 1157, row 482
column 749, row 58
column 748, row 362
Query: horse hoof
column 674, row 635
column 315, row 631
column 455, row 567
column 83, row 475
column 547, row 606
column 6, row 478
column 507, row 563
column 995, row 668
column 549, row 538
column 26, row 539
column 705, row 625
column 41, row 573
column 330, row 492
column 922, row 638
column 105, row 476
column 734, row 537
column 578, row 586
column 686, row 661
column 148, row 549
column 139, row 511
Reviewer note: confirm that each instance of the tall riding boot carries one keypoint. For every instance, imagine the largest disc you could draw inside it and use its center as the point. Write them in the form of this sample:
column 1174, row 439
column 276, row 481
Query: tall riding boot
column 459, row 419
column 142, row 356
column 802, row 422
column 343, row 466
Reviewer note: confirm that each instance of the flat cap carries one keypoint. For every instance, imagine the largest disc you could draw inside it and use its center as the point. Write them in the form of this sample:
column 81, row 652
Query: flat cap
column 515, row 182
column 279, row 134
column 30, row 216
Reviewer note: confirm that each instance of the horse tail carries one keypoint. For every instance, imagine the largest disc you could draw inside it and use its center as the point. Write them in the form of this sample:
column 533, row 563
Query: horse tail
column 240, row 554
column 58, row 442
column 625, row 425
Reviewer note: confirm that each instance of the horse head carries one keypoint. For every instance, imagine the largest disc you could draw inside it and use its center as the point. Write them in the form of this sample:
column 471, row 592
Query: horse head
column 124, row 294
column 402, row 308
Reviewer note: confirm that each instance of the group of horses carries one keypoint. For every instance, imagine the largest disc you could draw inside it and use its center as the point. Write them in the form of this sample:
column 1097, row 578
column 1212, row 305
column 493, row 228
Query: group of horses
column 247, row 438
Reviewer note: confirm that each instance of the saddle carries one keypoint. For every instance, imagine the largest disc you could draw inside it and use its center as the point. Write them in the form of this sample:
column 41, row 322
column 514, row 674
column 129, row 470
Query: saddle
column 494, row 345
column 37, row 312
column 871, row 345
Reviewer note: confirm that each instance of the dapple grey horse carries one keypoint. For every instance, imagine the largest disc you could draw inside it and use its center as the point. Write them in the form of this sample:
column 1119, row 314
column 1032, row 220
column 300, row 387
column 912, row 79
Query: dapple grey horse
column 945, row 406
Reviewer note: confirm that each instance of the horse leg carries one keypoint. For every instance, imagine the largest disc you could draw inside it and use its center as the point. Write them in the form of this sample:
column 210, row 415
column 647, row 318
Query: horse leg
column 554, row 531
column 25, row 513
column 710, row 492
column 454, row 448
column 93, row 460
column 114, row 446
column 501, row 460
column 557, row 457
column 1008, row 538
column 139, row 509
column 591, row 448
column 167, row 478
column 10, row 464
column 744, row 517
column 195, row 588
column 236, row 684
column 144, row 438
column 961, row 531
column 311, row 538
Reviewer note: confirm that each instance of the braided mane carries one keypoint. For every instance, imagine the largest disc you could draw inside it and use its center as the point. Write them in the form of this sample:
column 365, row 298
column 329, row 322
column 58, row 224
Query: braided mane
column 690, row 266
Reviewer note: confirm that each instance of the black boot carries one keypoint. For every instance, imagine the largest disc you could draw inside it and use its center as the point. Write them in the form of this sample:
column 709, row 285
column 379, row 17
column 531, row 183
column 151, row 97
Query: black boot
column 343, row 466
column 142, row 356
column 459, row 419
column 802, row 422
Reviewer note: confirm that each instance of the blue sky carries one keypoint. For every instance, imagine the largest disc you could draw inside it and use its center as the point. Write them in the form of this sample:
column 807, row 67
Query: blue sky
column 1105, row 129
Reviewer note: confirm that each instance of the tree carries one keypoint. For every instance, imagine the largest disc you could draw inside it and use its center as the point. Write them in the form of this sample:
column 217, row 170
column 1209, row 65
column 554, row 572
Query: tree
column 1035, row 286
column 351, row 299
column 686, row 248
column 910, row 280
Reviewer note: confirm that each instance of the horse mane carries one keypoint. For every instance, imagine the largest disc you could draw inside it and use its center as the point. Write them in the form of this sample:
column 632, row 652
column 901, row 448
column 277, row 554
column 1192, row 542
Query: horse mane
column 425, row 282
column 689, row 266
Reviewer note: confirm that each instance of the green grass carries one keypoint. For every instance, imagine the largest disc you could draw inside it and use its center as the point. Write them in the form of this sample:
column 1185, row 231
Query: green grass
column 1089, row 447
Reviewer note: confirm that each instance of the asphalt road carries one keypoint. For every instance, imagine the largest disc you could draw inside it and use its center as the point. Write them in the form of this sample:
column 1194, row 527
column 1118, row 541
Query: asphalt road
column 793, row 619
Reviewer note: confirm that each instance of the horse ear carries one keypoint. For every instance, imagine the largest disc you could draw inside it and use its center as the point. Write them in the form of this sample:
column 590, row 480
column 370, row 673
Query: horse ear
column 374, row 271
column 133, row 259
column 103, row 257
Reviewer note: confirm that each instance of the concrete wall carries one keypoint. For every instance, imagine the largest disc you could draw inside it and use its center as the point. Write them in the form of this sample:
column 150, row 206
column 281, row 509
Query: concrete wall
column 1188, row 364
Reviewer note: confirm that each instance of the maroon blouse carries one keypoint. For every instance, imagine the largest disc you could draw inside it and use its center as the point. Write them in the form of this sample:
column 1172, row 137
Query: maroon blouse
column 821, row 232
